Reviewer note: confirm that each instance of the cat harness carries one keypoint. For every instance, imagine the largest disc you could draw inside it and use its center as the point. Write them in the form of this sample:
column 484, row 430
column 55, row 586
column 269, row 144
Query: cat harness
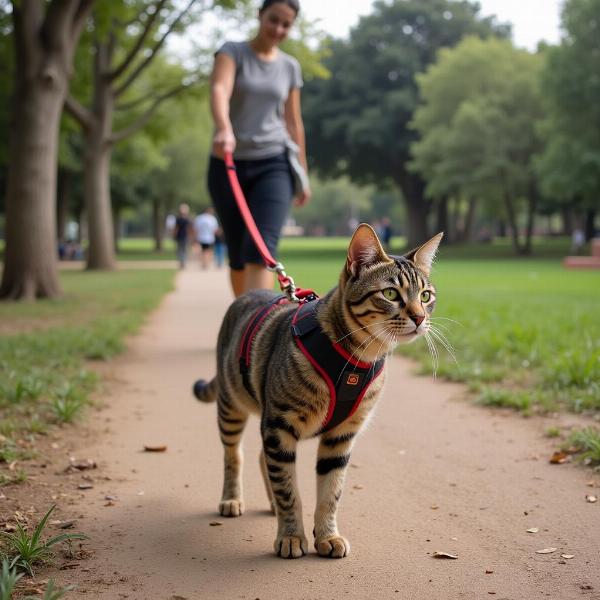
column 348, row 379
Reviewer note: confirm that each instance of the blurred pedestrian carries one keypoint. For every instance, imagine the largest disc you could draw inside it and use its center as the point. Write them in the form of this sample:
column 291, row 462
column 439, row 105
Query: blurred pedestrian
column 255, row 101
column 220, row 248
column 577, row 241
column 205, row 229
column 182, row 233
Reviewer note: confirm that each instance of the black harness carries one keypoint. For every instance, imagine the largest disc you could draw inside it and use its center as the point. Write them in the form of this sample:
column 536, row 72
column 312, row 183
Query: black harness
column 347, row 378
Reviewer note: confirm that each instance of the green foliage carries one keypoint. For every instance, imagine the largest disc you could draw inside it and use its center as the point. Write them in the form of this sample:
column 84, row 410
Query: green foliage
column 51, row 592
column 570, row 164
column 8, row 579
column 27, row 550
column 586, row 441
column 67, row 403
column 358, row 118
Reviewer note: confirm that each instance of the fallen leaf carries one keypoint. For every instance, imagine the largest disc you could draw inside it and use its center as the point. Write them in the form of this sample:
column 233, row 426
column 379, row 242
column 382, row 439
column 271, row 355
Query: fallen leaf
column 434, row 507
column 567, row 556
column 215, row 523
column 559, row 457
column 110, row 498
column 81, row 465
column 150, row 448
column 591, row 499
column 546, row 551
column 444, row 555
column 488, row 572
column 533, row 530
column 358, row 486
column 66, row 525
column 85, row 486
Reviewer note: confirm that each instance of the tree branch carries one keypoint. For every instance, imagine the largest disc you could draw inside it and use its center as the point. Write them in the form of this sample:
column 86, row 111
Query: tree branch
column 81, row 114
column 118, row 71
column 153, row 52
column 118, row 136
column 81, row 14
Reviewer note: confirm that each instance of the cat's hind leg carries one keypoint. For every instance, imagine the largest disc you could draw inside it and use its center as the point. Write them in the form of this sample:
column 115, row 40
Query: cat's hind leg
column 232, row 421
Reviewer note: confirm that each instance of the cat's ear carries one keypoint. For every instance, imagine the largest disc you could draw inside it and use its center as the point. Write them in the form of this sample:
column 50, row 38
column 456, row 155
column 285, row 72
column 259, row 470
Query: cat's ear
column 365, row 249
column 423, row 255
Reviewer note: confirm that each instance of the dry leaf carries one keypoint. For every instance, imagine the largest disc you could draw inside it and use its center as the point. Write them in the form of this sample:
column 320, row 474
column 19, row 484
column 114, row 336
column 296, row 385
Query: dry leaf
column 215, row 523
column 546, row 551
column 149, row 448
column 85, row 486
column 567, row 556
column 559, row 457
column 444, row 555
column 488, row 572
column 533, row 530
column 591, row 499
column 358, row 486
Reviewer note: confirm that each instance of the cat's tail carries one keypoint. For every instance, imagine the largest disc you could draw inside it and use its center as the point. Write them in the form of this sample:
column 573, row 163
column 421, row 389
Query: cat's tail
column 206, row 391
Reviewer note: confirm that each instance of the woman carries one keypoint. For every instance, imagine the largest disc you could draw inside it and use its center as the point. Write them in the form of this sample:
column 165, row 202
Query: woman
column 255, row 102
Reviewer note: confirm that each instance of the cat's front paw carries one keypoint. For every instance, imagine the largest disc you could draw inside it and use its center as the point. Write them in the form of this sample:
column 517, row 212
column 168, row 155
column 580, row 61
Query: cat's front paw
column 334, row 546
column 291, row 546
column 231, row 508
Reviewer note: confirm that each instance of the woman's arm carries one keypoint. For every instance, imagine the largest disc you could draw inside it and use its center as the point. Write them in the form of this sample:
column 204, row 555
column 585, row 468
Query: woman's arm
column 295, row 127
column 221, row 87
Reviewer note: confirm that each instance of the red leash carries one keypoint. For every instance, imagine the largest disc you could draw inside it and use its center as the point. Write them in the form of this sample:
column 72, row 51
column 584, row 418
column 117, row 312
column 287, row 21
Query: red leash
column 285, row 281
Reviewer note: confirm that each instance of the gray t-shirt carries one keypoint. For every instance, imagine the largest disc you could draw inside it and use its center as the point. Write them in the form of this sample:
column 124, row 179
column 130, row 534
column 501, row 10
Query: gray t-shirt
column 259, row 94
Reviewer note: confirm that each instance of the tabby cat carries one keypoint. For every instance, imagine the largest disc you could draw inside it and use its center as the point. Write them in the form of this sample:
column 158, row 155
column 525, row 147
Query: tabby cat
column 380, row 302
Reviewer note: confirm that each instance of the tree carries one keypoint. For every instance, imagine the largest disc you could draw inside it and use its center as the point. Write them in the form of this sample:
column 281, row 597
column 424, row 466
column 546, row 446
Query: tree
column 478, row 122
column 45, row 36
column 357, row 121
column 114, row 74
column 569, row 167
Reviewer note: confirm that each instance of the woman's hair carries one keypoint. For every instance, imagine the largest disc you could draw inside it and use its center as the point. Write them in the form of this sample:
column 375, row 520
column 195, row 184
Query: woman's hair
column 293, row 4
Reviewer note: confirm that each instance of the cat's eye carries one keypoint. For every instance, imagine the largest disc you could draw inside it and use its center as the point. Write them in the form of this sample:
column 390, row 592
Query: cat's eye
column 391, row 294
column 425, row 296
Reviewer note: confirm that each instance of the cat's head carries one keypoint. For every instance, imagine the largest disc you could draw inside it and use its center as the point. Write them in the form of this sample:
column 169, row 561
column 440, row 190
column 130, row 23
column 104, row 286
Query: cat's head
column 388, row 300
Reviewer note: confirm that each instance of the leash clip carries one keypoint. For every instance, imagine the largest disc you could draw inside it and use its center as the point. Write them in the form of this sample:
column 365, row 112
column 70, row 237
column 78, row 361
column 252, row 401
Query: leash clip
column 286, row 282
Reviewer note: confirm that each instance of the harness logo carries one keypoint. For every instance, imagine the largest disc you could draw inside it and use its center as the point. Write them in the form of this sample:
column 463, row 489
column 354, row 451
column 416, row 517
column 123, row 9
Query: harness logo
column 353, row 379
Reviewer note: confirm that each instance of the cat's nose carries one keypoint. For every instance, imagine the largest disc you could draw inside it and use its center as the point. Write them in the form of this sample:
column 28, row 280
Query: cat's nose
column 417, row 319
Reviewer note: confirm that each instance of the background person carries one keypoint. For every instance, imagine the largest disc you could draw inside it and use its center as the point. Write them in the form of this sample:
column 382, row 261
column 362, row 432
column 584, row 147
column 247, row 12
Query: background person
column 205, row 228
column 181, row 233
column 255, row 101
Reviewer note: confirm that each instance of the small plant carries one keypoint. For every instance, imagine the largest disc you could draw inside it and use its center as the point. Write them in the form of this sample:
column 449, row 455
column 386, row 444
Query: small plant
column 553, row 432
column 27, row 550
column 587, row 441
column 19, row 477
column 504, row 398
column 8, row 580
column 66, row 404
column 51, row 592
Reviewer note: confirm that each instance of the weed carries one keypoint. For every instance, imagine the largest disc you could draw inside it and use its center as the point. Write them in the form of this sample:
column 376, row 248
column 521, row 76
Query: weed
column 8, row 579
column 27, row 550
column 504, row 398
column 587, row 441
column 553, row 432
column 66, row 404
column 19, row 477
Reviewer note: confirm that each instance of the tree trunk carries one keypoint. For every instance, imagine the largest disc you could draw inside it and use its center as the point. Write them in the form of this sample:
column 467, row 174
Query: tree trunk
column 157, row 224
column 468, row 232
column 567, row 220
column 101, row 248
column 531, row 208
column 46, row 35
column 443, row 220
column 512, row 223
column 417, row 209
column 590, row 224
column 63, row 200
column 30, row 259
column 98, row 150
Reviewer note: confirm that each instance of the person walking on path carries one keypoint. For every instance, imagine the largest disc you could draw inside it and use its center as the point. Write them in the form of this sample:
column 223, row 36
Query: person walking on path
column 205, row 228
column 255, row 102
column 181, row 233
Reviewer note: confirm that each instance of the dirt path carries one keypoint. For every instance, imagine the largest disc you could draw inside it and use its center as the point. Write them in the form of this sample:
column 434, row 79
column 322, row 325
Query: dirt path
column 432, row 473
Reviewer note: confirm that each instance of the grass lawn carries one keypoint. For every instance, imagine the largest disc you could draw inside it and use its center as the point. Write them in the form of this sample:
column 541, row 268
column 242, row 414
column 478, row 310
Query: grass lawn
column 44, row 378
column 525, row 332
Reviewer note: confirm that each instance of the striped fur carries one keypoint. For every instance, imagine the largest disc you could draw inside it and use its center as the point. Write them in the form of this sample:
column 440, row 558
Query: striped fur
column 291, row 399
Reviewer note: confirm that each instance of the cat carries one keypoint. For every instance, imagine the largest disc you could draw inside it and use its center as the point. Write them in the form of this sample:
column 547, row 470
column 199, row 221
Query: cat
column 380, row 302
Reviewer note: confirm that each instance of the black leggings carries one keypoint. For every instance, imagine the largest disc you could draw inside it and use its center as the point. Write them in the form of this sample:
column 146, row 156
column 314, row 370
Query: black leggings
column 268, row 186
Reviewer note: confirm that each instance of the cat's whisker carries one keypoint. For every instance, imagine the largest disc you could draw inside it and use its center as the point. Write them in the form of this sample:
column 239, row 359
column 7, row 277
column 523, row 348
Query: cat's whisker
column 443, row 337
column 360, row 329
column 437, row 336
column 446, row 319
column 434, row 354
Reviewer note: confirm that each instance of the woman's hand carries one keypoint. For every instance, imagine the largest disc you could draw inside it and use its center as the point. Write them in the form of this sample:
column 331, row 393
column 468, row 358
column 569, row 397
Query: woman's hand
column 223, row 141
column 303, row 198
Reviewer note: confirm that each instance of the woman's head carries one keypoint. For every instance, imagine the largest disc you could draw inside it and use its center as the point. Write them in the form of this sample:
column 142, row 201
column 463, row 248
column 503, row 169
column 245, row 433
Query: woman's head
column 276, row 18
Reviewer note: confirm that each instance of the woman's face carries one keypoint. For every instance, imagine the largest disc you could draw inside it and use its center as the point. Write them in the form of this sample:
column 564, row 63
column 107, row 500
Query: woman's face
column 276, row 21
